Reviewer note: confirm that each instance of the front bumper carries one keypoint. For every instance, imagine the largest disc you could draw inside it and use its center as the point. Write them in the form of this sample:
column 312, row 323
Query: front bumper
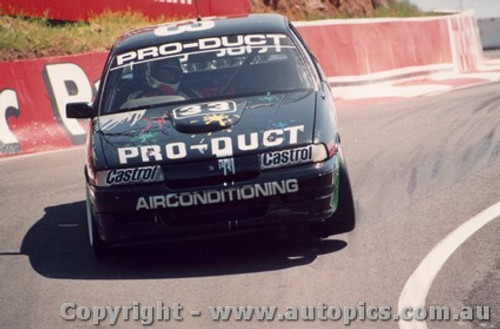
column 280, row 197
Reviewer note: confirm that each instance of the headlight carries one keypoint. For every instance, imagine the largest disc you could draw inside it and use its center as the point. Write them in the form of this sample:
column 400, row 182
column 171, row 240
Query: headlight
column 308, row 154
column 319, row 153
column 124, row 176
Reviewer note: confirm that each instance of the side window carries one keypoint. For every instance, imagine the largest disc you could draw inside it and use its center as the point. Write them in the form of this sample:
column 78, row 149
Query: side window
column 117, row 87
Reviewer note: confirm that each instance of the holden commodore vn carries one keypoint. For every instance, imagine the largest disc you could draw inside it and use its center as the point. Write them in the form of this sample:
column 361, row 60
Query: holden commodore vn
column 212, row 126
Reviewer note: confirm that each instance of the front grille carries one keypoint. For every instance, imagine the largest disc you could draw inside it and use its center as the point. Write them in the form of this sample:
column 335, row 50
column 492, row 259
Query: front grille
column 220, row 213
column 211, row 172
column 190, row 182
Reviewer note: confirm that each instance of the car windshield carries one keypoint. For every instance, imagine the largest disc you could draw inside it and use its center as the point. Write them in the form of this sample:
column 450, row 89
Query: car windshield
column 217, row 67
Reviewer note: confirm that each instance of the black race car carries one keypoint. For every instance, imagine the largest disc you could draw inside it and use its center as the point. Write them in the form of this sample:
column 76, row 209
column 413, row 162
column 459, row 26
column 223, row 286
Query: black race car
column 212, row 126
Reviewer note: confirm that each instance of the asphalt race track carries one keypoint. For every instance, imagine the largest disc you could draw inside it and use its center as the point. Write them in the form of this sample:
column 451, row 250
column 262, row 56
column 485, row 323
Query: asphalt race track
column 420, row 168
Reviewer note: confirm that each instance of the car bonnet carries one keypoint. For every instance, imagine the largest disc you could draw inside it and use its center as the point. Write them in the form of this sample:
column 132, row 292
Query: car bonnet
column 185, row 133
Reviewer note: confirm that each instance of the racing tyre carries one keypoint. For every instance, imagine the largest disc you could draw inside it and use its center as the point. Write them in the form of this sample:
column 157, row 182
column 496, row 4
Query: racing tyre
column 99, row 247
column 344, row 218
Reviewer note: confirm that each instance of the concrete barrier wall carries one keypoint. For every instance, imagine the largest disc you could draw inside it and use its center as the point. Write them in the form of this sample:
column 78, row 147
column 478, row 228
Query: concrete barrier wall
column 489, row 29
column 34, row 93
column 465, row 42
column 367, row 50
column 378, row 45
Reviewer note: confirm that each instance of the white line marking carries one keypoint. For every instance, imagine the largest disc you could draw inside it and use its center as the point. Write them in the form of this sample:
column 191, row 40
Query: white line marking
column 424, row 70
column 36, row 154
column 416, row 288
column 387, row 90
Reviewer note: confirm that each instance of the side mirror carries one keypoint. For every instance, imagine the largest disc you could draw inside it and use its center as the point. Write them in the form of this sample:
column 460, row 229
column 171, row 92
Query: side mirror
column 79, row 110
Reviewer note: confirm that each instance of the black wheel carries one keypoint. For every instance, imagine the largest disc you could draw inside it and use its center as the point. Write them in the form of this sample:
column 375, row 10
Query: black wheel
column 344, row 218
column 99, row 247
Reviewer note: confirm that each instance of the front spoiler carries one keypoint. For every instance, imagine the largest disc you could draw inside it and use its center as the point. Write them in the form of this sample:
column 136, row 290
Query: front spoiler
column 119, row 221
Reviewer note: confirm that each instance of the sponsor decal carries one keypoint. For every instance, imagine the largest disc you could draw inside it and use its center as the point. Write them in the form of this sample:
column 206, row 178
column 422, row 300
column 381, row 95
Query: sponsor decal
column 9, row 106
column 269, row 98
column 281, row 124
column 216, row 196
column 134, row 119
column 181, row 2
column 108, row 122
column 155, row 123
column 265, row 101
column 132, row 175
column 220, row 147
column 235, row 45
column 259, row 106
column 285, row 158
column 67, row 83
column 221, row 119
column 145, row 138
column 227, row 166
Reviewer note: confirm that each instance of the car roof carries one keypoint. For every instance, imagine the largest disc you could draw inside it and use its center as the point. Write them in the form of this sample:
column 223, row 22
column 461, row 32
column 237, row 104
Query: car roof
column 254, row 23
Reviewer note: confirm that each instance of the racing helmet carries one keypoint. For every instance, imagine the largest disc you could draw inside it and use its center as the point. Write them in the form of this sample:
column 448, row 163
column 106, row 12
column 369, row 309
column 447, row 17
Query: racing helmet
column 164, row 73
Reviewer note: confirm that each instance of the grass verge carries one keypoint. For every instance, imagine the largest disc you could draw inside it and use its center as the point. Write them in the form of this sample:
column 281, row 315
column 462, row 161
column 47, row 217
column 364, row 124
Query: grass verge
column 23, row 37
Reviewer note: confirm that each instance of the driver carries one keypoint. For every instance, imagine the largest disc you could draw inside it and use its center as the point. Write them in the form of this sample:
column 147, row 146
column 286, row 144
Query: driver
column 159, row 78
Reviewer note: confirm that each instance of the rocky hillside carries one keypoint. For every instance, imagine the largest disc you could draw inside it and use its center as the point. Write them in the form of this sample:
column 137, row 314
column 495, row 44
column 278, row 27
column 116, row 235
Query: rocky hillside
column 309, row 9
